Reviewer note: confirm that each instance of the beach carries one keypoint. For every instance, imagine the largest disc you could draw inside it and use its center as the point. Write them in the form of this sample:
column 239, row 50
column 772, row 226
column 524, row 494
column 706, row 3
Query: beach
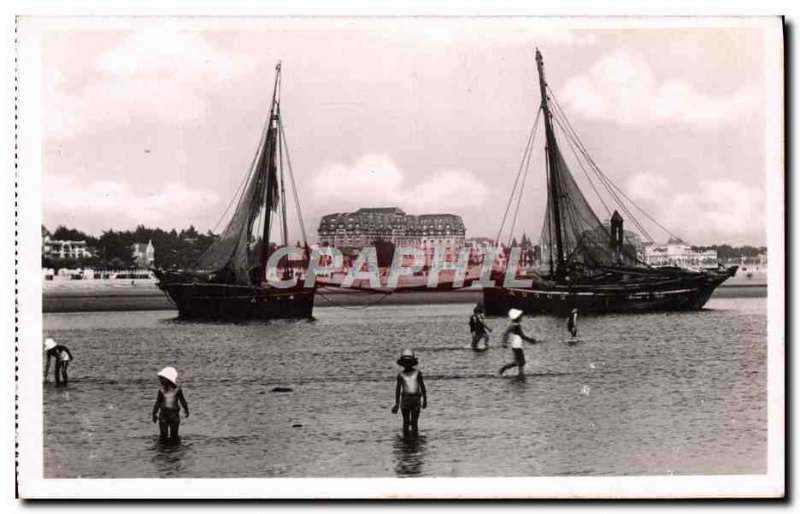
column 143, row 295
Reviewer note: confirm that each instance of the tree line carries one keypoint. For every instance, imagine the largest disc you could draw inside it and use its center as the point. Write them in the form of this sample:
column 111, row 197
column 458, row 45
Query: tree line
column 114, row 249
column 727, row 253
column 180, row 249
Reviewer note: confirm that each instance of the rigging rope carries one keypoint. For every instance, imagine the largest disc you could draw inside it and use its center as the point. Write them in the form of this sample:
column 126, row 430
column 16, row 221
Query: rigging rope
column 610, row 187
column 597, row 168
column 355, row 308
column 294, row 185
column 588, row 178
column 528, row 149
column 240, row 190
column 522, row 186
column 605, row 181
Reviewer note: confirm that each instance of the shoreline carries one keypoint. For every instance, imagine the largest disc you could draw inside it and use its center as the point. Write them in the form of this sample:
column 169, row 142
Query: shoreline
column 149, row 298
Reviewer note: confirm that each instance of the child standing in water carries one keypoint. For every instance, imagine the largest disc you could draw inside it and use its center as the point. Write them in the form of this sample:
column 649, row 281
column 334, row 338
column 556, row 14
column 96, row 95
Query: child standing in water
column 572, row 322
column 477, row 325
column 514, row 336
column 62, row 356
column 168, row 402
column 409, row 391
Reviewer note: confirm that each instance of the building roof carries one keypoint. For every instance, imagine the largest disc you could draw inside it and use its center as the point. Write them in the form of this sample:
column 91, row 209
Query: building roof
column 390, row 219
column 380, row 210
column 140, row 247
column 65, row 242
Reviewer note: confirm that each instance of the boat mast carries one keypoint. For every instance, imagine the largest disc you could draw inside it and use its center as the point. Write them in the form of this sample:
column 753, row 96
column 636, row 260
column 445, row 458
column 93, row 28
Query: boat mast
column 272, row 131
column 284, row 220
column 552, row 165
column 285, row 226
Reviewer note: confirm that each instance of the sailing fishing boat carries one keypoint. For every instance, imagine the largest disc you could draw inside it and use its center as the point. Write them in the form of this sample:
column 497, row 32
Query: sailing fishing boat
column 590, row 265
column 229, row 281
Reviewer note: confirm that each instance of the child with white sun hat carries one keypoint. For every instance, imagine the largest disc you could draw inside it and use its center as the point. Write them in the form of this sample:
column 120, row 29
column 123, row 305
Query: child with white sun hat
column 62, row 357
column 168, row 403
column 513, row 336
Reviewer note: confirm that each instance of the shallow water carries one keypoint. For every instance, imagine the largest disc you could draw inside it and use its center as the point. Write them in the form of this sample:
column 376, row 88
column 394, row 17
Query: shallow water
column 683, row 393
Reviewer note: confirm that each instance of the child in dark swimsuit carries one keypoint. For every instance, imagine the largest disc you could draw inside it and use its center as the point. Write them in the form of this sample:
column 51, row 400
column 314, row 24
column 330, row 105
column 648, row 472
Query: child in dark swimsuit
column 168, row 403
column 477, row 325
column 62, row 356
column 409, row 391
column 572, row 322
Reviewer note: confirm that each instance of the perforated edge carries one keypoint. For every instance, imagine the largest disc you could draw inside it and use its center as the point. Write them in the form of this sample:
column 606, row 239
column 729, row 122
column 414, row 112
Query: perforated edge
column 16, row 257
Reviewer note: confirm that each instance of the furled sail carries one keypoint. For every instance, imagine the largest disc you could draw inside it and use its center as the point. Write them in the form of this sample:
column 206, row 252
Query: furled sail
column 240, row 253
column 573, row 235
column 584, row 238
column 239, row 250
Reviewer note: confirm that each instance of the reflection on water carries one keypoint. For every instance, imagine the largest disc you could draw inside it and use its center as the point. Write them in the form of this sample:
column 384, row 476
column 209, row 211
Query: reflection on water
column 169, row 457
column 409, row 454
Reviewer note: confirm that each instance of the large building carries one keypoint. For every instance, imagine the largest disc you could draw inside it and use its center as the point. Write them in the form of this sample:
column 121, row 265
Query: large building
column 55, row 249
column 678, row 253
column 367, row 225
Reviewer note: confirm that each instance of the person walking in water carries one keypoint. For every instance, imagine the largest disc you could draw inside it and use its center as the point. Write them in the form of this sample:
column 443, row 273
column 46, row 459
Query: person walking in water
column 409, row 391
column 477, row 325
column 168, row 403
column 572, row 323
column 62, row 356
column 514, row 336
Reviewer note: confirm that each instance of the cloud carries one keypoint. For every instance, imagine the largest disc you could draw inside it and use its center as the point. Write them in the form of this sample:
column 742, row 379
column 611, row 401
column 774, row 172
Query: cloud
column 713, row 210
column 156, row 74
column 111, row 203
column 444, row 32
column 374, row 180
column 623, row 88
column 645, row 186
column 109, row 103
column 164, row 53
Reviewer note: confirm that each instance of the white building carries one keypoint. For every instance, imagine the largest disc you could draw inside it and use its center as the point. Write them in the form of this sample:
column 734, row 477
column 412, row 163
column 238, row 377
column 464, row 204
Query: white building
column 677, row 253
column 144, row 255
column 64, row 249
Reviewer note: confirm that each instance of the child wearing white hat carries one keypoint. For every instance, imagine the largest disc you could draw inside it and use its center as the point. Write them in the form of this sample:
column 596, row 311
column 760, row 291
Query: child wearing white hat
column 168, row 403
column 514, row 336
column 62, row 356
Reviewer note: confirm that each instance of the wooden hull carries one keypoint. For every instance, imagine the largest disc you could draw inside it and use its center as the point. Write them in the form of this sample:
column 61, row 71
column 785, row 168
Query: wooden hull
column 199, row 301
column 669, row 294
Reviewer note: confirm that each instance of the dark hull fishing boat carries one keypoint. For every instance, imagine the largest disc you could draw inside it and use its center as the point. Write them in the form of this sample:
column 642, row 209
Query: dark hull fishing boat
column 658, row 291
column 590, row 265
column 229, row 281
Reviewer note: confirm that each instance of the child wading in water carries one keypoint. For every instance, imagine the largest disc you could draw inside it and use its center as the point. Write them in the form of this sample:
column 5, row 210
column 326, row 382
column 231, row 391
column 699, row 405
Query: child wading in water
column 477, row 325
column 572, row 322
column 62, row 356
column 168, row 403
column 514, row 336
column 409, row 391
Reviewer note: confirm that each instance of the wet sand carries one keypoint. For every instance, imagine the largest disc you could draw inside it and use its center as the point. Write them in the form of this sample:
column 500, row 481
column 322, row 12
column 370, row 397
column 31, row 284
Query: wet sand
column 147, row 297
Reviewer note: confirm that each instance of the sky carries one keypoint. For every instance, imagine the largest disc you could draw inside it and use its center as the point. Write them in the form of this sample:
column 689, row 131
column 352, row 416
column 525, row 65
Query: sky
column 156, row 121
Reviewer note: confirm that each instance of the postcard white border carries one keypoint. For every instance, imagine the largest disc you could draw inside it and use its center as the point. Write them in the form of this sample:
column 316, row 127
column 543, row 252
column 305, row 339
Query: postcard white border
column 32, row 485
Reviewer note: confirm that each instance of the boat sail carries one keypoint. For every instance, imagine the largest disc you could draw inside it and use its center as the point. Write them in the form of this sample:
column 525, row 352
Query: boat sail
column 591, row 265
column 229, row 281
